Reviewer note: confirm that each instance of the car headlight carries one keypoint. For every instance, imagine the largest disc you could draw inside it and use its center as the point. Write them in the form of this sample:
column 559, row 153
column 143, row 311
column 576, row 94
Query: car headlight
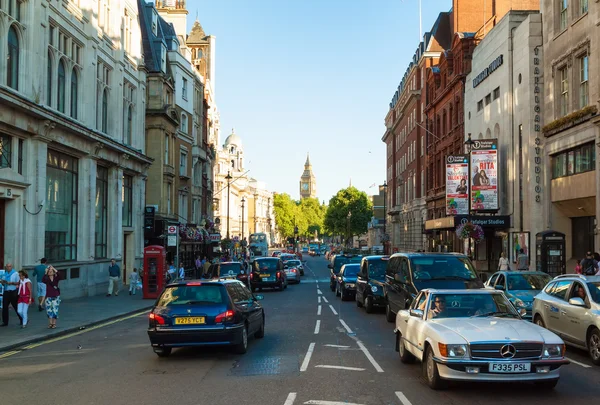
column 453, row 350
column 554, row 350
column 374, row 288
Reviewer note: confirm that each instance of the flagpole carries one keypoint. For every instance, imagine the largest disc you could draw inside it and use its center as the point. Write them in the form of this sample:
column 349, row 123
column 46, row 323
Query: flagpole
column 420, row 23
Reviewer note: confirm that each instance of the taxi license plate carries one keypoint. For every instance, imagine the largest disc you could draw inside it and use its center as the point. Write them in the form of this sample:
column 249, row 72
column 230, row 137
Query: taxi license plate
column 265, row 275
column 510, row 367
column 190, row 320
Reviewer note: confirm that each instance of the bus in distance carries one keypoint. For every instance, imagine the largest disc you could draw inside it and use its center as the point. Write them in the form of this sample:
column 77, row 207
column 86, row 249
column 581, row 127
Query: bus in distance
column 259, row 244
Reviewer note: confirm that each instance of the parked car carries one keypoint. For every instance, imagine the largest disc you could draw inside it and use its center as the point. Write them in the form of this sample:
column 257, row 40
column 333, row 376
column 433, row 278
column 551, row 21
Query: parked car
column 268, row 272
column 232, row 270
column 346, row 281
column 295, row 264
column 570, row 307
column 336, row 264
column 207, row 312
column 520, row 287
column 276, row 253
column 409, row 273
column 476, row 335
column 370, row 282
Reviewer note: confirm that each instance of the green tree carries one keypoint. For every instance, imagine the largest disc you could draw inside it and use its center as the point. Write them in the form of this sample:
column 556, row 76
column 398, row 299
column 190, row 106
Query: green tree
column 348, row 213
column 312, row 214
column 285, row 210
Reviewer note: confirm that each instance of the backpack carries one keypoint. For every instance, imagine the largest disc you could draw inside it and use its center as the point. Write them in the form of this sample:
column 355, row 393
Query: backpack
column 589, row 267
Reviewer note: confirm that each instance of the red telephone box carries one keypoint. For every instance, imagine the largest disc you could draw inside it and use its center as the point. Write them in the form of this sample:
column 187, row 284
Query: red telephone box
column 155, row 269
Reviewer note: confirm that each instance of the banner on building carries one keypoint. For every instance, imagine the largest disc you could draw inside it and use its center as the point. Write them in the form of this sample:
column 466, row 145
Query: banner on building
column 484, row 175
column 457, row 185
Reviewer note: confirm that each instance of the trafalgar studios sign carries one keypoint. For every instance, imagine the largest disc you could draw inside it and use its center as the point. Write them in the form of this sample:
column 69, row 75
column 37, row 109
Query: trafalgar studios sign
column 457, row 185
column 484, row 175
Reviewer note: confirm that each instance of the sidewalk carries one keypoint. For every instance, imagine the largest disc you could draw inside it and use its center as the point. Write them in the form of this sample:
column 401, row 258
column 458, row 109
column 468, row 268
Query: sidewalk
column 73, row 315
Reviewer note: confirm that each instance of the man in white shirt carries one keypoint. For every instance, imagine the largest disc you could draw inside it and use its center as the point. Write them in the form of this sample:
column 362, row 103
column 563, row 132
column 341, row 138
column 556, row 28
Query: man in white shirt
column 10, row 296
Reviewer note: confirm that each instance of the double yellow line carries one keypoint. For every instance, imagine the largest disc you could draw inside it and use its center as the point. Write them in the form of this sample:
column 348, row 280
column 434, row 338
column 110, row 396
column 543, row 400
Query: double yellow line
column 70, row 335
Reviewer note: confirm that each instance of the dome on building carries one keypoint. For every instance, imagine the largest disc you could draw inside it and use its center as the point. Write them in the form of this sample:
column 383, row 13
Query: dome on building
column 233, row 140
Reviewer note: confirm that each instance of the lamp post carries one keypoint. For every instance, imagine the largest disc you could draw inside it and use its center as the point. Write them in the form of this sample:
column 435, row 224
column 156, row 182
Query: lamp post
column 228, row 178
column 385, row 243
column 469, row 146
column 243, row 202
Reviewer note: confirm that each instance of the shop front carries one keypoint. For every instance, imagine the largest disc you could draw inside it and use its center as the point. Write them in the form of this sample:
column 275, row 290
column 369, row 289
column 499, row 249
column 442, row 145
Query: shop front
column 441, row 236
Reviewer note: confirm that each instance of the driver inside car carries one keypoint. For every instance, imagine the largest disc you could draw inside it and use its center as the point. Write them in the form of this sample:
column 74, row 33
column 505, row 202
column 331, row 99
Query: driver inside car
column 438, row 307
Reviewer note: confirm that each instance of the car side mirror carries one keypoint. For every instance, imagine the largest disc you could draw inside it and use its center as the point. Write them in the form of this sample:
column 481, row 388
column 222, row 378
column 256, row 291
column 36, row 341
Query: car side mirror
column 578, row 302
column 417, row 313
column 499, row 287
column 259, row 297
column 329, row 266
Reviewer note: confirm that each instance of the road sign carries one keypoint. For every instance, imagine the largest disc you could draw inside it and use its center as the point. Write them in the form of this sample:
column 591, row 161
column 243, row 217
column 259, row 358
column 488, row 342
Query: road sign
column 172, row 240
column 172, row 230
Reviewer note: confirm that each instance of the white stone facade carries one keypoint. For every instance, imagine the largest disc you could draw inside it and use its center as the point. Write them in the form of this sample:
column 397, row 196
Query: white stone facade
column 72, row 109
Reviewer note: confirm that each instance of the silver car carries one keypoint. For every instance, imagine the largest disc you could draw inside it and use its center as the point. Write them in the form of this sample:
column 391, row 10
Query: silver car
column 570, row 307
column 292, row 273
column 295, row 264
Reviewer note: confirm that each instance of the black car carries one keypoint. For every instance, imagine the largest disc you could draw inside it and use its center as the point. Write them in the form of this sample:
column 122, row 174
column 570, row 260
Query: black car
column 336, row 264
column 409, row 273
column 205, row 313
column 231, row 270
column 370, row 282
column 346, row 281
column 267, row 272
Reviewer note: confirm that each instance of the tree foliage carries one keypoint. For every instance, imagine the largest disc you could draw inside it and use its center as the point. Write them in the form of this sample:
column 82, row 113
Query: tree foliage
column 306, row 214
column 348, row 213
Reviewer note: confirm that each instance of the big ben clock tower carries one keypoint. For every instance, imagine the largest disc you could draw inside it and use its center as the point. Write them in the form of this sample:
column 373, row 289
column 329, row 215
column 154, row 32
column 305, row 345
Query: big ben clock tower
column 308, row 182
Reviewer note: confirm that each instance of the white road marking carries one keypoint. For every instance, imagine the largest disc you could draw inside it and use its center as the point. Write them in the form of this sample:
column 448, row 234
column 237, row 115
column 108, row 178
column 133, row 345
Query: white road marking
column 341, row 368
column 338, row 346
column 309, row 353
column 317, row 326
column 318, row 310
column 325, row 300
column 319, row 292
column 333, row 309
column 290, row 399
column 319, row 299
column 578, row 363
column 371, row 359
column 314, row 402
column 403, row 398
column 345, row 325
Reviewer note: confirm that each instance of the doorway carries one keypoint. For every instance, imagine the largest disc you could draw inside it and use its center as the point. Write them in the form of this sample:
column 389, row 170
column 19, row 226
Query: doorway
column 582, row 229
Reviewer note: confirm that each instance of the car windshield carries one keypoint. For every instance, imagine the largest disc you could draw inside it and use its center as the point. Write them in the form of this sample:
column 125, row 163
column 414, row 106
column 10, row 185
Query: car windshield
column 528, row 281
column 230, row 269
column 377, row 268
column 293, row 263
column 341, row 260
column 261, row 265
column 468, row 305
column 197, row 294
column 442, row 268
column 594, row 291
column 351, row 270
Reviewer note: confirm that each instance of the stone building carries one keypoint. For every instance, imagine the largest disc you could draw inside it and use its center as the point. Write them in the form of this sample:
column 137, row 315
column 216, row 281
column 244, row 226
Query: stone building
column 308, row 181
column 261, row 217
column 72, row 117
column 571, row 135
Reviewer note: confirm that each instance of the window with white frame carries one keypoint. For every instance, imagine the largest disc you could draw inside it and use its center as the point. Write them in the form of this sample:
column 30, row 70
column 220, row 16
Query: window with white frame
column 583, row 81
column 104, row 12
column 167, row 141
column 184, row 88
column 183, row 163
column 169, row 192
column 103, row 93
column 128, row 111
column 127, row 30
column 564, row 10
column 184, row 123
column 183, row 206
column 583, row 7
column 422, row 145
column 564, row 91
column 422, row 183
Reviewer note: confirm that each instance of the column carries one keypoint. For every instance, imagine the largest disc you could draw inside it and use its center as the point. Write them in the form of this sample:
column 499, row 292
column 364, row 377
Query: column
column 115, row 213
column 138, row 205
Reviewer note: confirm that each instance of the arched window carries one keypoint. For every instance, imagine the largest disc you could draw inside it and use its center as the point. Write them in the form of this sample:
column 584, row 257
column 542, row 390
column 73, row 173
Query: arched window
column 12, row 77
column 105, row 111
column 61, row 86
column 49, row 80
column 129, row 125
column 74, row 94
column 184, row 123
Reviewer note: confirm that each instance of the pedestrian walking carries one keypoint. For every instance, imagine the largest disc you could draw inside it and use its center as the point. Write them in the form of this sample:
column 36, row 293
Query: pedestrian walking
column 10, row 296
column 171, row 273
column 25, row 296
column 133, row 281
column 206, row 269
column 578, row 268
column 40, row 271
column 522, row 261
column 503, row 262
column 589, row 265
column 114, row 274
column 181, row 273
column 51, row 279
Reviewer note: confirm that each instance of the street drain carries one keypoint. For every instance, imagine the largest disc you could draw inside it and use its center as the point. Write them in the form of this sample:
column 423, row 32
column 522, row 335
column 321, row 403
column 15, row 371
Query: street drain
column 270, row 365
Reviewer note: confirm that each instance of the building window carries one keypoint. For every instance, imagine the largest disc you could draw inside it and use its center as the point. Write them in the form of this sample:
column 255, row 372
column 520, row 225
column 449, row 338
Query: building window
column 49, row 80
column 129, row 126
column 74, row 94
column 12, row 64
column 102, row 77
column 166, row 149
column 583, row 7
column 488, row 99
column 184, row 123
column 580, row 159
column 105, row 111
column 564, row 91
column 184, row 89
column 169, row 191
column 183, row 163
column 183, row 207
column 583, row 81
column 127, row 200
column 127, row 23
column 61, row 210
column 101, row 213
column 479, row 105
column 5, row 151
column 128, row 104
column 564, row 5
column 20, row 157
column 496, row 93
column 61, row 86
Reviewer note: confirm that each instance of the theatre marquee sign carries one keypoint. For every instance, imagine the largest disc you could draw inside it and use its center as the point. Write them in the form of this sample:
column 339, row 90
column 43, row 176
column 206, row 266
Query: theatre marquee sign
column 496, row 63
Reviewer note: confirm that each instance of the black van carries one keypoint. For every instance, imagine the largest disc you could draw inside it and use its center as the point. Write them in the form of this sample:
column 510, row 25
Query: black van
column 409, row 273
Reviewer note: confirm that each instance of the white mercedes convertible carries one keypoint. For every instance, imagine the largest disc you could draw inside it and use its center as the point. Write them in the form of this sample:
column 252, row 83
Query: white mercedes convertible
column 476, row 335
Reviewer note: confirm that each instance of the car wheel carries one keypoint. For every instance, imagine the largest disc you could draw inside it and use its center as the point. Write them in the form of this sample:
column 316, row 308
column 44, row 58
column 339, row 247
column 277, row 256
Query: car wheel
column 430, row 371
column 242, row 347
column 358, row 303
column 594, row 346
column 261, row 332
column 369, row 305
column 406, row 357
column 547, row 384
column 302, row 272
column 539, row 321
column 280, row 287
column 163, row 351
column 389, row 315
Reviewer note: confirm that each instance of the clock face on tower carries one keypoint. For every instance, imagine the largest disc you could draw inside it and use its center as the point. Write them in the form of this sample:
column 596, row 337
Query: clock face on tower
column 305, row 186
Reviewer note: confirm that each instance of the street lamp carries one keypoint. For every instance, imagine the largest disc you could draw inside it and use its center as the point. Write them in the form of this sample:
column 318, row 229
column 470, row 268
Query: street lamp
column 243, row 202
column 385, row 186
column 228, row 178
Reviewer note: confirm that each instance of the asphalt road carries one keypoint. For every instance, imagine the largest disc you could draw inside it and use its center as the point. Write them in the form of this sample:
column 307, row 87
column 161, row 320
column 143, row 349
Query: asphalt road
column 334, row 355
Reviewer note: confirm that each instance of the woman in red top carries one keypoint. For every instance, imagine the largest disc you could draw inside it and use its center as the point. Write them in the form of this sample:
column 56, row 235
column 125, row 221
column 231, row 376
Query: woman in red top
column 25, row 296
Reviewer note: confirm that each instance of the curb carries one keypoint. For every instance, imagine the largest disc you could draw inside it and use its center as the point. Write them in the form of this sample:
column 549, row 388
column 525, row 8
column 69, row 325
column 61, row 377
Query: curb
column 63, row 332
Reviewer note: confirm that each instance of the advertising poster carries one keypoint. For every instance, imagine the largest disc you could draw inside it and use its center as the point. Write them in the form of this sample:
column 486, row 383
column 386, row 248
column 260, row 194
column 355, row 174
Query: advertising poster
column 484, row 175
column 519, row 240
column 457, row 185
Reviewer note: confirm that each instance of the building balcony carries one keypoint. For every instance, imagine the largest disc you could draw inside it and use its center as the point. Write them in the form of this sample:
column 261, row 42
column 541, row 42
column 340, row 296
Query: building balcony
column 169, row 170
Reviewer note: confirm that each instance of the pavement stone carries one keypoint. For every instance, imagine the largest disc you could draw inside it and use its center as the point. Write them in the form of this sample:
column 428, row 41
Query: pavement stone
column 74, row 314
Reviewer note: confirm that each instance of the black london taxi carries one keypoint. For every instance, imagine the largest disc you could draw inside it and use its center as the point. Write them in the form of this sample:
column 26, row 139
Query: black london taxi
column 336, row 264
column 370, row 282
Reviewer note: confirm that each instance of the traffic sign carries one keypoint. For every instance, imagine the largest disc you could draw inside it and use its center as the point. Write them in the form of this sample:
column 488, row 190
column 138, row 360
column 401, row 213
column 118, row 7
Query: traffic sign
column 172, row 230
column 172, row 240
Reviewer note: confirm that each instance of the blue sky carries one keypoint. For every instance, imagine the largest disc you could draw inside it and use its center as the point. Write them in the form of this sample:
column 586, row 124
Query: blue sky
column 298, row 76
